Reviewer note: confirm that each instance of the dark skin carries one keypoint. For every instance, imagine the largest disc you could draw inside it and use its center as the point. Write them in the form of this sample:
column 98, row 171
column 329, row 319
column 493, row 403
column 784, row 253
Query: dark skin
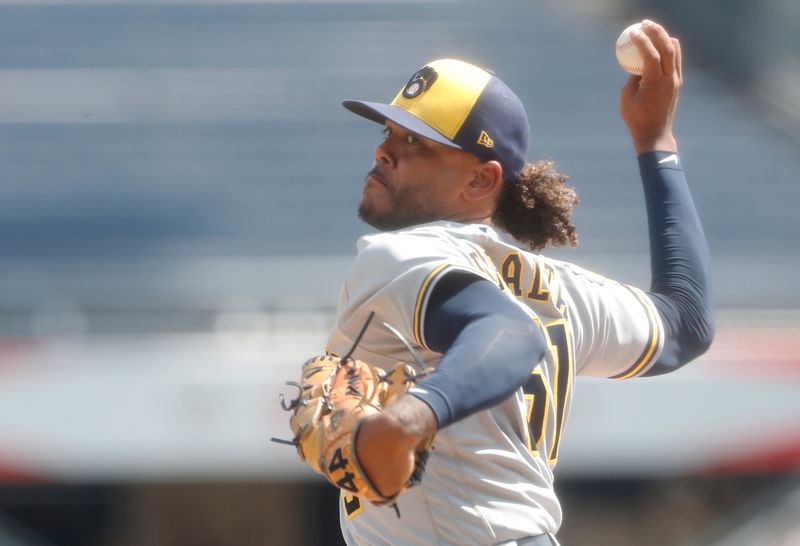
column 415, row 180
column 467, row 192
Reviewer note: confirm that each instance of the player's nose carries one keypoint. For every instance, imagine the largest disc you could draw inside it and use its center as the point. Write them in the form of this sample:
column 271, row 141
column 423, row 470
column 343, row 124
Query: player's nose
column 383, row 154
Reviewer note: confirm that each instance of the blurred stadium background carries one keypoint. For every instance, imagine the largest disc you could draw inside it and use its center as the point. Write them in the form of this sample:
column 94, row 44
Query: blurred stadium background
column 177, row 194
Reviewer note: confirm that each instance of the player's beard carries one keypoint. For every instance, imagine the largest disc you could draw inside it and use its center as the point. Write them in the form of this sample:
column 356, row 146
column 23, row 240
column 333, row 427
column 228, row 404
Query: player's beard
column 409, row 206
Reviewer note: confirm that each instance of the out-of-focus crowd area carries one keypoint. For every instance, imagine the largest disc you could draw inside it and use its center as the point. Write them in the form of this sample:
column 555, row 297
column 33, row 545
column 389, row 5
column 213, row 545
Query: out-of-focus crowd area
column 178, row 185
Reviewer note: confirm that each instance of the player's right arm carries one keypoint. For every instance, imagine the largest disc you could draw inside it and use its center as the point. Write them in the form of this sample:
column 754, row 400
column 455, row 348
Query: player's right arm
column 648, row 102
column 681, row 283
column 681, row 279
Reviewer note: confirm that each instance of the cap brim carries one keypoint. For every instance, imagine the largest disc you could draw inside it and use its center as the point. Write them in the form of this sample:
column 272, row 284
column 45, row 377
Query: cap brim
column 379, row 113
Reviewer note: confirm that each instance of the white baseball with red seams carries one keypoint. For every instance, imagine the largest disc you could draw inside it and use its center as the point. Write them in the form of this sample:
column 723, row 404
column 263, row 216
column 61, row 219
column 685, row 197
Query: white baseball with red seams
column 628, row 54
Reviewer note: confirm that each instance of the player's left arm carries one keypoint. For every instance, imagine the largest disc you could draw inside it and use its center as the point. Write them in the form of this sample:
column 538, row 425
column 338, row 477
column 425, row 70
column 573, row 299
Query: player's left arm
column 489, row 346
column 681, row 279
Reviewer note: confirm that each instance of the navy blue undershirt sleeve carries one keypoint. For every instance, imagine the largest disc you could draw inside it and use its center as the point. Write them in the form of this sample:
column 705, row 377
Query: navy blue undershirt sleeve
column 490, row 347
column 681, row 279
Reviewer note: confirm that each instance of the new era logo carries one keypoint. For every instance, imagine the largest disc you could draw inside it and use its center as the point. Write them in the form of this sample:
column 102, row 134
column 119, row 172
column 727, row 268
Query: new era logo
column 484, row 140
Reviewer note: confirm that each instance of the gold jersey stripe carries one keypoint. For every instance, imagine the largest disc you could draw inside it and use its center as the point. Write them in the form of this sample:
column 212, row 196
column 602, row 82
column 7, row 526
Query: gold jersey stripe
column 421, row 297
column 653, row 341
column 449, row 101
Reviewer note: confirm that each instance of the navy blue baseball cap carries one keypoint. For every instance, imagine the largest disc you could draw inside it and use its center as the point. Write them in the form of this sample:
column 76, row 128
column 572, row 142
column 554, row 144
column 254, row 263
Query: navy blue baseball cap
column 460, row 105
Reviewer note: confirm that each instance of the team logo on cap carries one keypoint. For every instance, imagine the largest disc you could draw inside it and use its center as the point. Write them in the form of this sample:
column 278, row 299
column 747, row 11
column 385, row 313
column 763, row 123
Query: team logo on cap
column 421, row 81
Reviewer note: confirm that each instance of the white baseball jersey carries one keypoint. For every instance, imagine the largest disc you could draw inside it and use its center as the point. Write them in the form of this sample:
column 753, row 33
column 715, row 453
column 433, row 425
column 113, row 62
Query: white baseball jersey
column 489, row 478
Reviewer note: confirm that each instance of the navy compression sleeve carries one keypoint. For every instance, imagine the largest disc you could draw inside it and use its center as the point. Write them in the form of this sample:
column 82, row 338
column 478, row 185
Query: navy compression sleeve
column 681, row 280
column 490, row 347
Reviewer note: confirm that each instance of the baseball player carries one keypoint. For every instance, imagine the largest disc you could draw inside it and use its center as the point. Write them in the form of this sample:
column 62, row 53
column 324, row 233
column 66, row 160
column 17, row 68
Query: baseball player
column 452, row 281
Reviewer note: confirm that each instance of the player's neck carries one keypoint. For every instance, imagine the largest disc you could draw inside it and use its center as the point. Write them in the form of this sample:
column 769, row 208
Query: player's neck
column 476, row 220
column 470, row 217
column 470, row 212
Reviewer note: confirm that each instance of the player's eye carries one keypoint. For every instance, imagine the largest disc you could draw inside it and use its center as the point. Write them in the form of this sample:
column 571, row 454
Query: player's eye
column 410, row 138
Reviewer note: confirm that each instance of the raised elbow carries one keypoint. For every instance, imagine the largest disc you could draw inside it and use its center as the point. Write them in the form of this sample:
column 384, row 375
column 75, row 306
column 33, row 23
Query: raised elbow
column 703, row 335
column 688, row 336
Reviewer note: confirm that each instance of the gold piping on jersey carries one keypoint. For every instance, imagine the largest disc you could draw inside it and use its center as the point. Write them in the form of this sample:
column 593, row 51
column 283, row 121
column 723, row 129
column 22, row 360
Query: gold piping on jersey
column 421, row 297
column 653, row 340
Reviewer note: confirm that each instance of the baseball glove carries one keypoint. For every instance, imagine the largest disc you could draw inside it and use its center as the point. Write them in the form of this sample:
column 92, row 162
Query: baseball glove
column 335, row 396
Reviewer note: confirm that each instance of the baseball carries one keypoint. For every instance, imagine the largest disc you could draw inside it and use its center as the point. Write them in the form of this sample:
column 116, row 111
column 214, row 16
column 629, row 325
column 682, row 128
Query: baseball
column 628, row 54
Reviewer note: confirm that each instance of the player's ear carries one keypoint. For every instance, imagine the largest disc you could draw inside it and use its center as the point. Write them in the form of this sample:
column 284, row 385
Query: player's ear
column 486, row 182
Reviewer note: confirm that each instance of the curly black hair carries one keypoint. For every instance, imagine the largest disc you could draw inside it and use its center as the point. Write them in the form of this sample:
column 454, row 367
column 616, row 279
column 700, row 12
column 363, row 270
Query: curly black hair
column 536, row 208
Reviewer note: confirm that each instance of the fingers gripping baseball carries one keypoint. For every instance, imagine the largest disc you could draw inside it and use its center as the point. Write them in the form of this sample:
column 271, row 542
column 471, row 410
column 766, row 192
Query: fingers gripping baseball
column 648, row 102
